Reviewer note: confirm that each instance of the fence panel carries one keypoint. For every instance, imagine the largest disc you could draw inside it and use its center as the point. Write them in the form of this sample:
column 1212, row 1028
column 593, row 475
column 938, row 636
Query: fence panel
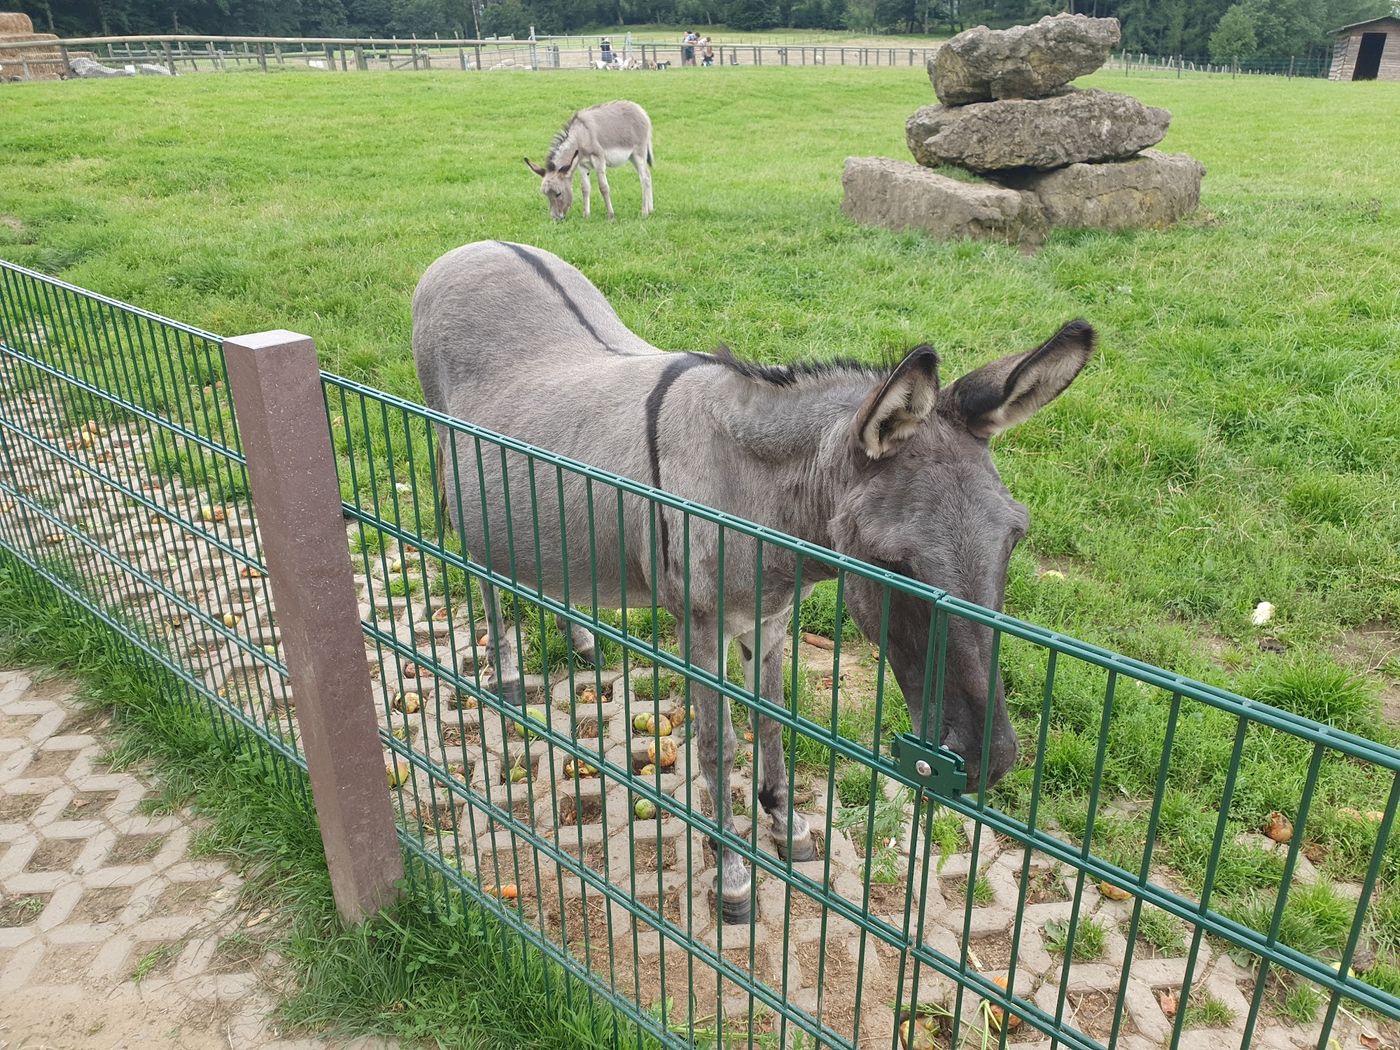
column 1090, row 892
column 123, row 484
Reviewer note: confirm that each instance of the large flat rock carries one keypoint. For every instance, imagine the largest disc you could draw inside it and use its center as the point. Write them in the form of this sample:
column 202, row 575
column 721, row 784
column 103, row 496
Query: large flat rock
column 983, row 64
column 1047, row 133
column 1151, row 190
column 898, row 195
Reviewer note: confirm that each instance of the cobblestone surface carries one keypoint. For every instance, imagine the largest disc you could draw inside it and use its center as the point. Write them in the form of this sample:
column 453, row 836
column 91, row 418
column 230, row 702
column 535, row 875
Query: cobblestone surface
column 111, row 933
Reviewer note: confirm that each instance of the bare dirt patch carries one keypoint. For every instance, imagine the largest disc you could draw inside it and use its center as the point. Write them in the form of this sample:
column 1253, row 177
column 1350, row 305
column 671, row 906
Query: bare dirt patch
column 55, row 855
column 993, row 952
column 49, row 763
column 839, row 972
column 21, row 911
column 1046, row 887
column 101, row 905
column 16, row 809
column 87, row 805
column 133, row 849
column 16, row 725
column 1093, row 1014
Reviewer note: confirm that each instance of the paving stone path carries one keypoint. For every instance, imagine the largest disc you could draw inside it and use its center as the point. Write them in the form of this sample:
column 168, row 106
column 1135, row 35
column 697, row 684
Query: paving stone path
column 95, row 891
column 111, row 933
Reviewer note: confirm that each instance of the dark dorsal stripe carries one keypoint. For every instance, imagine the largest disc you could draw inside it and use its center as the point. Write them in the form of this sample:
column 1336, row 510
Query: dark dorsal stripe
column 536, row 264
column 669, row 374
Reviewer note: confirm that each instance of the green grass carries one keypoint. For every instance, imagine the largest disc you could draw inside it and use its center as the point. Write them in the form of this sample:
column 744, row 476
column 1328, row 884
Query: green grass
column 1161, row 931
column 432, row 967
column 1089, row 938
column 1207, row 1012
column 1236, row 439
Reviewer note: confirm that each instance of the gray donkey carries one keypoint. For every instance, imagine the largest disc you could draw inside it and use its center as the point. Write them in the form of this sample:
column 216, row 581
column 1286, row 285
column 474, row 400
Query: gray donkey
column 596, row 139
column 879, row 464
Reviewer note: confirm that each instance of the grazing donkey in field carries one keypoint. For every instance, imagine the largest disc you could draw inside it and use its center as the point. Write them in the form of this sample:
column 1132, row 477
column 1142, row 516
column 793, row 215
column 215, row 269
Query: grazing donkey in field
column 595, row 139
column 879, row 464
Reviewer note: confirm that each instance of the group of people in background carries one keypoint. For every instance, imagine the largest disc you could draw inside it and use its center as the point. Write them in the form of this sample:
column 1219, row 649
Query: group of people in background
column 692, row 42
column 695, row 50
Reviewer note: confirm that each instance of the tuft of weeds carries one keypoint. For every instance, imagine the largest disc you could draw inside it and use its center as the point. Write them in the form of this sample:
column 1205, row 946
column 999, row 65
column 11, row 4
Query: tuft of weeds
column 1207, row 1012
column 1089, row 938
column 1161, row 931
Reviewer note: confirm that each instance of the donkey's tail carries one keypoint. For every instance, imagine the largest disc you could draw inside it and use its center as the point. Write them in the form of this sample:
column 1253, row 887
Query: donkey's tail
column 648, row 153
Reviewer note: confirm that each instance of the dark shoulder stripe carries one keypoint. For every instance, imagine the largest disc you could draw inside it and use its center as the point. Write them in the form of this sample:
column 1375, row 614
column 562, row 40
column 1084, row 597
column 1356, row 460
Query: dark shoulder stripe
column 536, row 264
column 672, row 371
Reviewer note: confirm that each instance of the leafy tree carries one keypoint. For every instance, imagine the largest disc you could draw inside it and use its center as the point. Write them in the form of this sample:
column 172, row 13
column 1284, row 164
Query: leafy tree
column 1234, row 36
column 508, row 18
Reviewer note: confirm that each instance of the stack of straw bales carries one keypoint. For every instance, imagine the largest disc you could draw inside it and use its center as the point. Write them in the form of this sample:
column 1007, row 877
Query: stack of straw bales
column 43, row 61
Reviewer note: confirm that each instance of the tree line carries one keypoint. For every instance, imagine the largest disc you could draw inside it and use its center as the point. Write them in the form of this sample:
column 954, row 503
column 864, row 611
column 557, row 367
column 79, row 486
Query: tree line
column 1221, row 29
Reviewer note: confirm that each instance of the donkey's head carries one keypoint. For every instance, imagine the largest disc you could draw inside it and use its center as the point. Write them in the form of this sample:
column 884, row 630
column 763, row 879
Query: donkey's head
column 557, row 184
column 926, row 501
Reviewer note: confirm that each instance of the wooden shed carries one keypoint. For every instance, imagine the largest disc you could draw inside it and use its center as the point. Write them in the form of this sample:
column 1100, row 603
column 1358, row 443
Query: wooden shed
column 1367, row 51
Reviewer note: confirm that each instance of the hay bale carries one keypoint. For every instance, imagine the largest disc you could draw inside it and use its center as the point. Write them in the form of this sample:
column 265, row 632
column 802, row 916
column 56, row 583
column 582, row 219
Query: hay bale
column 14, row 22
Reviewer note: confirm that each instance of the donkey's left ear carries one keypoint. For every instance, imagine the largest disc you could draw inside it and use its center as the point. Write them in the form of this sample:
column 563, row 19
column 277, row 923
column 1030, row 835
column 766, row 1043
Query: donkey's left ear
column 573, row 163
column 998, row 396
column 897, row 408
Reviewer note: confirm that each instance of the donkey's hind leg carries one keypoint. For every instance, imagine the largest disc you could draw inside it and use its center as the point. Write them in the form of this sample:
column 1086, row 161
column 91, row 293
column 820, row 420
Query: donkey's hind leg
column 502, row 650
column 580, row 640
column 763, row 653
column 644, row 174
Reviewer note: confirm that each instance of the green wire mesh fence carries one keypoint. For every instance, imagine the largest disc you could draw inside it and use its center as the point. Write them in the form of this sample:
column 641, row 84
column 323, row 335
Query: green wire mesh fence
column 1089, row 898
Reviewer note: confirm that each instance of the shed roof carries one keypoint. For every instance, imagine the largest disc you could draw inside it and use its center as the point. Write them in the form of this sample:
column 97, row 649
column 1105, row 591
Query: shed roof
column 1369, row 21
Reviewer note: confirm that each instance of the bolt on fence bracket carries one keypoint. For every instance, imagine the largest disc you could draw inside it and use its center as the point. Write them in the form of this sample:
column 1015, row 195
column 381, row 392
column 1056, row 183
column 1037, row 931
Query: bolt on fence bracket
column 936, row 770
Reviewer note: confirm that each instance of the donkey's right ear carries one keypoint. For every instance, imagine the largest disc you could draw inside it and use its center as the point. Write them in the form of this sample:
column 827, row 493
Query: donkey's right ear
column 534, row 167
column 900, row 405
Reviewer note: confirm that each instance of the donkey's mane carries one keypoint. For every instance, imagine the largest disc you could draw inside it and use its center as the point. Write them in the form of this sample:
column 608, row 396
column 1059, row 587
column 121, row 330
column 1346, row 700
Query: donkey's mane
column 789, row 375
column 560, row 137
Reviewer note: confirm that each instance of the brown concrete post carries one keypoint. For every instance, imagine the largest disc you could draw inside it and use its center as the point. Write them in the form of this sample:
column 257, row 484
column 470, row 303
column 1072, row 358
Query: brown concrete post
column 276, row 386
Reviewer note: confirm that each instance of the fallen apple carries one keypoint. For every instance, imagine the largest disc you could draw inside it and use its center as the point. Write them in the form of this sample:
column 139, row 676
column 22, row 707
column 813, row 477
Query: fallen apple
column 662, row 752
column 1280, row 828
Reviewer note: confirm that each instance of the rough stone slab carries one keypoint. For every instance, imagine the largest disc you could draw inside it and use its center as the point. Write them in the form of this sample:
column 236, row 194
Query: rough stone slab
column 1152, row 190
column 1033, row 61
column 898, row 195
column 91, row 70
column 1077, row 126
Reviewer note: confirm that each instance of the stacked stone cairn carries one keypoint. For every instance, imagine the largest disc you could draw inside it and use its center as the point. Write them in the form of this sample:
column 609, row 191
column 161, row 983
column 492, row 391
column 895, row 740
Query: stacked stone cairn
column 1033, row 152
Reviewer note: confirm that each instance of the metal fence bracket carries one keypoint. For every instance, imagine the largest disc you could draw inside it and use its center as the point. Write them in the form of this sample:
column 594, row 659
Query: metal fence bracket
column 936, row 770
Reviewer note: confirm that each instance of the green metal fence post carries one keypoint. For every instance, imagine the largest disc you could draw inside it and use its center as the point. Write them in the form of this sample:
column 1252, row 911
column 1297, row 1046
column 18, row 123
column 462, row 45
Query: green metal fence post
column 276, row 386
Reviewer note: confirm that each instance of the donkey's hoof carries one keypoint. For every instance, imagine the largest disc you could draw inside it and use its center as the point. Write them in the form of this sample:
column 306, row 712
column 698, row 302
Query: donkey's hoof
column 512, row 693
column 803, row 849
column 737, row 911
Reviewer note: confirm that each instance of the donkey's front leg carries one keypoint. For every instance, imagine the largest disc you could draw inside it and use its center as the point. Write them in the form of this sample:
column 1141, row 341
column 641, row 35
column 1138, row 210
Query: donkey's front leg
column 715, row 743
column 587, row 187
column 500, row 646
column 580, row 638
column 763, row 652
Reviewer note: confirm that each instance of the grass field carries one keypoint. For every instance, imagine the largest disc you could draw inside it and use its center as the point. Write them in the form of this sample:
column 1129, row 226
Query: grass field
column 1237, row 438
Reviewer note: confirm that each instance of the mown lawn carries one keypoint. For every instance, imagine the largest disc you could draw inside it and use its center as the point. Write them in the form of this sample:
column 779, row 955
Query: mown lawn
column 1237, row 438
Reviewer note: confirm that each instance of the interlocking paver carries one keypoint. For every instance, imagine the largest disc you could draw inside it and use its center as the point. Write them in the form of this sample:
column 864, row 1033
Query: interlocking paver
column 92, row 921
